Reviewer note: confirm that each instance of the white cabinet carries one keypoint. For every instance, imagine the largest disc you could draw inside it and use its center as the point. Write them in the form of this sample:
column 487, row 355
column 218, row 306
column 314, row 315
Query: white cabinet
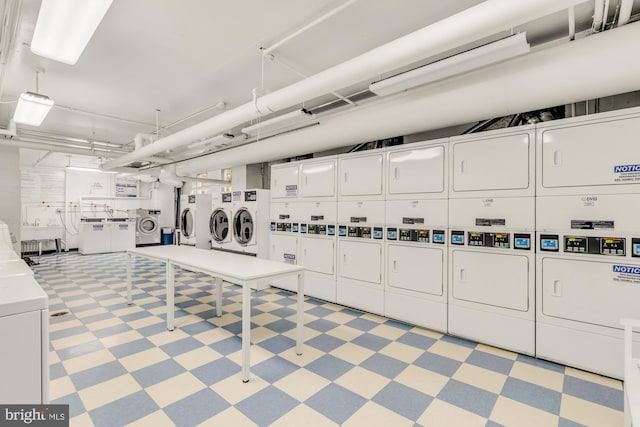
column 492, row 162
column 318, row 179
column 497, row 280
column 415, row 269
column 361, row 175
column 360, row 261
column 284, row 248
column 284, row 181
column 317, row 254
column 416, row 171
column 600, row 155
column 123, row 236
column 94, row 238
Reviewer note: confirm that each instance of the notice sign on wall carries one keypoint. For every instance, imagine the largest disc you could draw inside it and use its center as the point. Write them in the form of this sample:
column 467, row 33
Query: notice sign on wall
column 126, row 189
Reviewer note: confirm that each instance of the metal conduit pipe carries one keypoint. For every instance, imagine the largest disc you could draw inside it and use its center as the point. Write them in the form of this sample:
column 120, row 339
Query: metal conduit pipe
column 483, row 20
column 521, row 84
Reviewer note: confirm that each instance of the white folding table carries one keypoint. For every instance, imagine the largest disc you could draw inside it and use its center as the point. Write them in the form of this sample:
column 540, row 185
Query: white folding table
column 234, row 268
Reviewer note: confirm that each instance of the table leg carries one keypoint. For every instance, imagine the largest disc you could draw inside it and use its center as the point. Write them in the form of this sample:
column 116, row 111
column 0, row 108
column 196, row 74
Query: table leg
column 170, row 295
column 218, row 296
column 300, row 315
column 246, row 331
column 129, row 296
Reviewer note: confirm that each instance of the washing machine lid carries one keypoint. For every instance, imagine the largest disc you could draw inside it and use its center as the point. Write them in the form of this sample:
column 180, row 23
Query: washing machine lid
column 219, row 225
column 243, row 226
column 187, row 223
column 148, row 225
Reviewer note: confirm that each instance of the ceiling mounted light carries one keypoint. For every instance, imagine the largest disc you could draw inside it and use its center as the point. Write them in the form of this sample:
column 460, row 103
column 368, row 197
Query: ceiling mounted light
column 64, row 27
column 482, row 56
column 285, row 122
column 32, row 108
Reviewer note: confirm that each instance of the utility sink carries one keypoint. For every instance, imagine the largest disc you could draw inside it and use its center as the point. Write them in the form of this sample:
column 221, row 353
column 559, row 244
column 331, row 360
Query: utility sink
column 40, row 232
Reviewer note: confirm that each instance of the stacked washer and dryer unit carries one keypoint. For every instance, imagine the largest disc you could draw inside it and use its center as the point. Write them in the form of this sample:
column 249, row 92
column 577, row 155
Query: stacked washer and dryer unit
column 249, row 222
column 303, row 223
column 492, row 225
column 588, row 233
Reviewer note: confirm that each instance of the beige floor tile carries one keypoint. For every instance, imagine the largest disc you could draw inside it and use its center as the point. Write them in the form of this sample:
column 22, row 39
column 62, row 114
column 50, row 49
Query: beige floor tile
column 374, row 317
column 423, row 380
column 443, row 414
column 198, row 357
column 79, row 302
column 372, row 414
column 427, row 333
column 264, row 319
column 213, row 335
column 594, row 378
column 450, row 350
column 108, row 391
column 497, row 351
column 73, row 340
column 98, row 293
column 130, row 309
column 104, row 324
column 146, row 300
column 309, row 354
column 481, row 378
column 66, row 294
column 195, row 309
column 60, row 387
column 537, row 375
column 256, row 355
column 260, row 334
column 302, row 384
column 87, row 361
column 143, row 359
column 511, row 413
column 352, row 353
column 92, row 312
column 166, row 337
column 122, row 338
column 174, row 389
column 233, row 390
column 155, row 419
column 145, row 321
column 588, row 413
column 53, row 357
column 363, row 382
column 228, row 417
column 346, row 333
column 82, row 420
column 226, row 319
column 59, row 326
column 403, row 352
column 388, row 332
column 307, row 334
column 339, row 318
column 302, row 415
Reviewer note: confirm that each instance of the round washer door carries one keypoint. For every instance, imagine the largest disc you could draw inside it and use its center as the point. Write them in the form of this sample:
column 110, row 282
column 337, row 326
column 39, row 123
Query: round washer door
column 187, row 223
column 243, row 226
column 148, row 225
column 219, row 225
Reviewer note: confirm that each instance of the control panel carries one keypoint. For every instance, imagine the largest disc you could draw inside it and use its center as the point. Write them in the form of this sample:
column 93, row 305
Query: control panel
column 498, row 240
column 362, row 232
column 589, row 245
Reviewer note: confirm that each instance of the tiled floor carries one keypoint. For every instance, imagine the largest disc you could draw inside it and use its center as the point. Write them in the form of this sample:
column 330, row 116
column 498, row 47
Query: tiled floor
column 117, row 364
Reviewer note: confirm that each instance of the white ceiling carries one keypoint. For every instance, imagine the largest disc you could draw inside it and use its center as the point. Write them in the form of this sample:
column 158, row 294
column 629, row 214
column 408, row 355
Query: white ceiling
column 183, row 57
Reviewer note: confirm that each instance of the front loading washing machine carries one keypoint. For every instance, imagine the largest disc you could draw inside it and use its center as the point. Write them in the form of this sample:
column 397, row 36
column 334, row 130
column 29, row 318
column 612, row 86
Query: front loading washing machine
column 193, row 227
column 219, row 221
column 250, row 222
column 147, row 227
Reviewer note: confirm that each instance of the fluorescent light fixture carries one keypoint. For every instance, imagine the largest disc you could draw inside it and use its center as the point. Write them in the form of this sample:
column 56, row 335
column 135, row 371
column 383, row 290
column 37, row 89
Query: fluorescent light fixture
column 281, row 123
column 32, row 108
column 482, row 56
column 64, row 27
column 216, row 141
column 77, row 168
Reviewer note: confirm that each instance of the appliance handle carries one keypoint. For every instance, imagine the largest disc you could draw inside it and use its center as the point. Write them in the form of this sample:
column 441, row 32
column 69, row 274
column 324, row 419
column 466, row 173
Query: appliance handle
column 395, row 265
column 462, row 166
column 396, row 173
column 557, row 158
column 557, row 288
column 463, row 275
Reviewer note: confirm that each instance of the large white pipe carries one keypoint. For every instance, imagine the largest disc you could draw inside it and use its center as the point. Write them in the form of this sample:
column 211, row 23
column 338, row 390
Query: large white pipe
column 598, row 14
column 625, row 11
column 555, row 76
column 483, row 20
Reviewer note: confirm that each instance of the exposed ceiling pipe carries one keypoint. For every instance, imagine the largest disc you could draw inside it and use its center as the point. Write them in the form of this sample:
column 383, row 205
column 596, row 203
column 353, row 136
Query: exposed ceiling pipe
column 142, row 139
column 20, row 143
column 526, row 83
column 625, row 12
column 10, row 14
column 483, row 20
column 10, row 130
column 598, row 14
column 168, row 176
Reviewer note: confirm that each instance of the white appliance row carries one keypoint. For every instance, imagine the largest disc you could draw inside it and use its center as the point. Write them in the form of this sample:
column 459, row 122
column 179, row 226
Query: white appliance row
column 24, row 329
column 525, row 238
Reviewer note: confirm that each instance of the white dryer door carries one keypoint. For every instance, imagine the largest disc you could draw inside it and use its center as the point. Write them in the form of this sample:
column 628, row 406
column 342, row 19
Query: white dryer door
column 416, row 269
column 187, row 223
column 243, row 227
column 219, row 226
column 147, row 225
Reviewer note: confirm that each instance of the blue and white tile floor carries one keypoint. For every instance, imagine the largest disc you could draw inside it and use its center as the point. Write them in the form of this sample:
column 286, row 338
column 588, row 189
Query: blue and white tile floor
column 116, row 364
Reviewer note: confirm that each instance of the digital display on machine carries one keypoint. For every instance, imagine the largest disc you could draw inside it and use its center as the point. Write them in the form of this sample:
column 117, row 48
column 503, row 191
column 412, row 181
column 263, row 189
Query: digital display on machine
column 635, row 247
column 342, row 230
column 191, row 198
column 392, row 234
column 377, row 233
column 331, row 230
column 353, row 231
column 457, row 237
column 522, row 241
column 303, row 228
column 322, row 229
column 575, row 244
column 250, row 196
column 312, row 229
column 365, row 232
column 423, row 236
column 475, row 239
column 272, row 226
column 438, row 236
column 405, row 234
column 612, row 246
column 226, row 197
column 294, row 227
column 501, row 240
column 549, row 243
